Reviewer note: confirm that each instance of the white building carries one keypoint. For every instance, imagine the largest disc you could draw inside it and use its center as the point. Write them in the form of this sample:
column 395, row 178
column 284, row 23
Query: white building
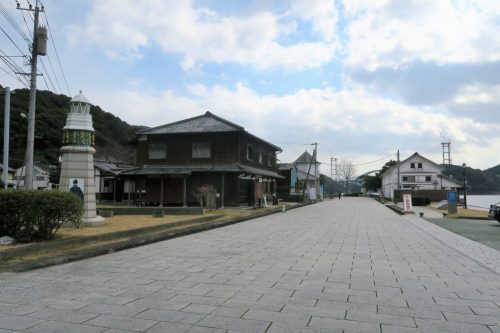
column 40, row 178
column 416, row 173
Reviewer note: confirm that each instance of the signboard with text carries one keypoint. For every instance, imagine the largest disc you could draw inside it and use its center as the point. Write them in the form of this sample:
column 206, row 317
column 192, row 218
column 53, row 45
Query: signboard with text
column 407, row 203
column 452, row 202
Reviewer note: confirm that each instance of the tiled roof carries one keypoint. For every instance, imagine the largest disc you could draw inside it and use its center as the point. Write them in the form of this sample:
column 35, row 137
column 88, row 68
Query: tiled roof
column 111, row 167
column 305, row 158
column 187, row 169
column 206, row 123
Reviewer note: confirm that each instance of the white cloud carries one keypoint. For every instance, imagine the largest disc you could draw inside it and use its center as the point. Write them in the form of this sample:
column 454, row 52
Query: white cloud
column 395, row 33
column 328, row 116
column 322, row 14
column 125, row 28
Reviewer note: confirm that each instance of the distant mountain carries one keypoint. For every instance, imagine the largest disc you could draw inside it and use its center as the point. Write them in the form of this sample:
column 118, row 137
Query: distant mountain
column 478, row 181
column 112, row 134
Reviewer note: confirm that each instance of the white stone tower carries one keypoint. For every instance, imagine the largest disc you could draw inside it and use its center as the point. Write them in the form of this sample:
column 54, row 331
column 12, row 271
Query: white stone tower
column 77, row 160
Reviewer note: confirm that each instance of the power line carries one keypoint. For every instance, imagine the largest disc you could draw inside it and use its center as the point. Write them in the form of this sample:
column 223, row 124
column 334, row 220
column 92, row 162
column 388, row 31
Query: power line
column 15, row 44
column 13, row 23
column 57, row 53
column 380, row 159
column 48, row 75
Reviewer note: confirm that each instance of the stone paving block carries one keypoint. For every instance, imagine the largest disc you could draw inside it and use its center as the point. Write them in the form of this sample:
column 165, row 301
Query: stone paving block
column 403, row 329
column 279, row 327
column 226, row 311
column 318, row 295
column 155, row 304
column 14, row 322
column 494, row 329
column 202, row 329
column 60, row 327
column 370, row 317
column 409, row 312
column 68, row 316
column 156, row 295
column 287, row 300
column 199, row 308
column 442, row 325
column 127, row 310
column 125, row 323
column 486, row 311
column 198, row 299
column 295, row 320
column 234, row 323
column 400, row 301
column 349, row 325
column 116, row 300
column 466, row 302
column 472, row 319
column 306, row 311
column 254, row 305
column 173, row 316
column 19, row 310
column 169, row 327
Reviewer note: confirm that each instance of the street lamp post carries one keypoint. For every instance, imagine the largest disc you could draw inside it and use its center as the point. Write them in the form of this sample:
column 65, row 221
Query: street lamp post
column 465, row 188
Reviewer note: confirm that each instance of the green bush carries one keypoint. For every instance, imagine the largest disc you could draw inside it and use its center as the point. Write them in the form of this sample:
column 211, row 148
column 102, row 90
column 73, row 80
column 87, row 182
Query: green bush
column 26, row 214
column 420, row 201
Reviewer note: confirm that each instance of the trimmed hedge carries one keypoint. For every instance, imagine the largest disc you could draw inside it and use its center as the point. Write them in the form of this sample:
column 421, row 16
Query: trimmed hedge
column 26, row 215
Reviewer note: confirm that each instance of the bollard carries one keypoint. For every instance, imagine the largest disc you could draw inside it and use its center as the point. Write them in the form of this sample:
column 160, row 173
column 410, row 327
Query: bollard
column 421, row 214
column 283, row 209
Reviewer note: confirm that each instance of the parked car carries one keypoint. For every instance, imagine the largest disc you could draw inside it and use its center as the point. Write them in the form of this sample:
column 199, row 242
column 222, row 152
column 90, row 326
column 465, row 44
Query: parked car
column 494, row 212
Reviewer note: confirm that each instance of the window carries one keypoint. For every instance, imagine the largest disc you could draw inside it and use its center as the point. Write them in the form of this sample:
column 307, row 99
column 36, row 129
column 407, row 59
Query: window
column 411, row 179
column 269, row 162
column 40, row 178
column 419, row 165
column 249, row 152
column 201, row 150
column 260, row 157
column 412, row 165
column 405, row 178
column 157, row 151
column 427, row 178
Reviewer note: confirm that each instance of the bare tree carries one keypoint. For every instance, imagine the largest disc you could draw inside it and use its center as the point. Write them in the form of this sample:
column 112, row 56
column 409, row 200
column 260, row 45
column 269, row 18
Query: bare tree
column 346, row 172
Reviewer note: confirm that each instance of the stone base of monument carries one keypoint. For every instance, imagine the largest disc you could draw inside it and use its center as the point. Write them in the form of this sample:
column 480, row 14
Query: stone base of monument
column 97, row 221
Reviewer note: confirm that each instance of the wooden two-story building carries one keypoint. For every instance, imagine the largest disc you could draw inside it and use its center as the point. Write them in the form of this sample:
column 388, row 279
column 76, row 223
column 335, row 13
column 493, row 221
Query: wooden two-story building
column 177, row 161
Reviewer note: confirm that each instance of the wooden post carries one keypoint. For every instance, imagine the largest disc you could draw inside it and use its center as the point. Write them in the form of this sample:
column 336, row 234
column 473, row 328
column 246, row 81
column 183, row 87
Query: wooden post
column 184, row 199
column 161, row 191
column 222, row 192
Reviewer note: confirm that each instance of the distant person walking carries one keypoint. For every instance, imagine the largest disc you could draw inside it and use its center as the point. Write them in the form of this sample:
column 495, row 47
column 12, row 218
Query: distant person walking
column 76, row 189
column 340, row 195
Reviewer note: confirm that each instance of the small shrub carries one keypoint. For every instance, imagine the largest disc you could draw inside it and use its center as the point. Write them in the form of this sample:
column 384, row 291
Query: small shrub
column 26, row 214
column 420, row 201
column 55, row 209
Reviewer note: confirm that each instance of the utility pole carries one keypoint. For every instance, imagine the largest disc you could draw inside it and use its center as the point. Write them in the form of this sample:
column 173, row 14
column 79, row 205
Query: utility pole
column 28, row 176
column 399, row 178
column 6, row 127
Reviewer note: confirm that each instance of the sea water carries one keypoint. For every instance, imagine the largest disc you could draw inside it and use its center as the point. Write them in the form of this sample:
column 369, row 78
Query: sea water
column 482, row 201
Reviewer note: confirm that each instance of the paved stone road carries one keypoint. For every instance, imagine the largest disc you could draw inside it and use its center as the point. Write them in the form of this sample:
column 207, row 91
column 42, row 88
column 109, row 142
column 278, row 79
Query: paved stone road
column 345, row 265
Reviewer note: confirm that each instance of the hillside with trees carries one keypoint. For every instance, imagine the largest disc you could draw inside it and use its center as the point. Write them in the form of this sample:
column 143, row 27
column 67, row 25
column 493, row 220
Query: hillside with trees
column 112, row 134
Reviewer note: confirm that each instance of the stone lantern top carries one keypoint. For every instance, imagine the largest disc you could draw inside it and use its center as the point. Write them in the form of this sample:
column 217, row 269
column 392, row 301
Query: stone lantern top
column 80, row 104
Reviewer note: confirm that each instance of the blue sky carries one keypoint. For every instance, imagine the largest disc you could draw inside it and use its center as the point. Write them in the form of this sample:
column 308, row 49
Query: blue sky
column 363, row 78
